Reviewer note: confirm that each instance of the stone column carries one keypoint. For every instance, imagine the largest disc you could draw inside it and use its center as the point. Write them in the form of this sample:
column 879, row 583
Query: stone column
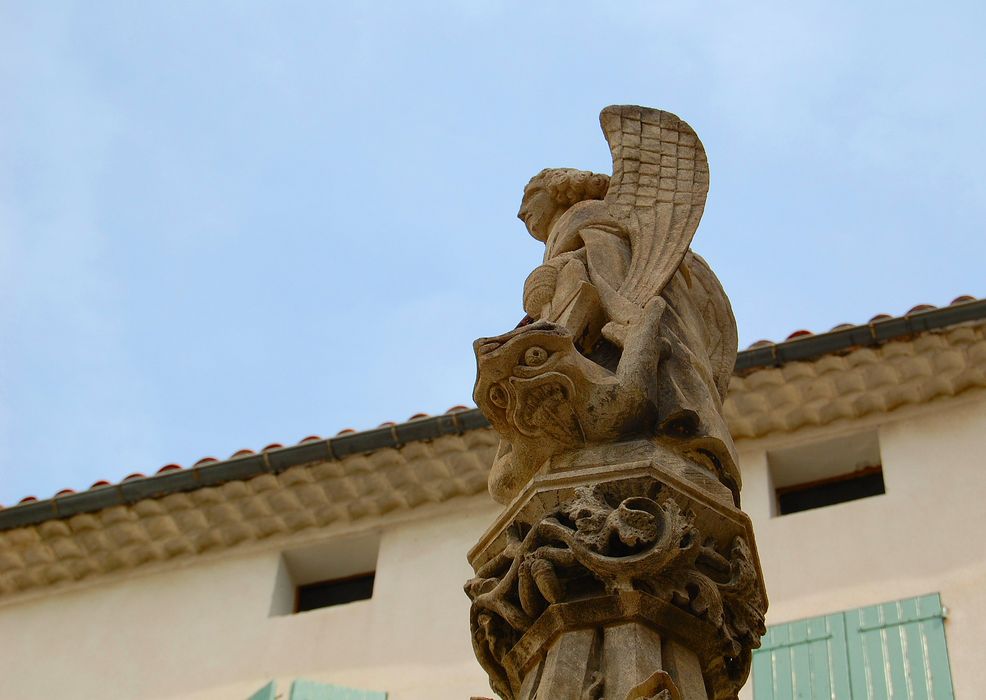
column 621, row 566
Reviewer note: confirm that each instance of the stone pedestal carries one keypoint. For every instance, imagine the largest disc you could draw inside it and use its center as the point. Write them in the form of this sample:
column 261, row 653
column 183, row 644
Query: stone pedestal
column 618, row 581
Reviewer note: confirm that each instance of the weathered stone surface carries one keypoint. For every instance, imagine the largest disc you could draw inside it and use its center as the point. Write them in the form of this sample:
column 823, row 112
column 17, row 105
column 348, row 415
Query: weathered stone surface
column 622, row 535
column 573, row 540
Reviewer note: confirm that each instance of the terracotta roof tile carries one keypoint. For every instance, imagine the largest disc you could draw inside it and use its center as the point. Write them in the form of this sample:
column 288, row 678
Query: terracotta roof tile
column 461, row 408
column 920, row 307
column 156, row 526
column 875, row 319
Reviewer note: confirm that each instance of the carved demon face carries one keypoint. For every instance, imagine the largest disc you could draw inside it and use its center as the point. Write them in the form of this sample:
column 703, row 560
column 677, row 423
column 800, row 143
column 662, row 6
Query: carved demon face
column 533, row 386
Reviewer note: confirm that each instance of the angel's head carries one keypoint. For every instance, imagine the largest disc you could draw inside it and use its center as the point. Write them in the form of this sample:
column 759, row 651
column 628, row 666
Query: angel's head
column 552, row 191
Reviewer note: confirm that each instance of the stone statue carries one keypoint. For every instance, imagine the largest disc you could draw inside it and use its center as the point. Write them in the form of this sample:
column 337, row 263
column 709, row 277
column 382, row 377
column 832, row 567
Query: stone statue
column 622, row 566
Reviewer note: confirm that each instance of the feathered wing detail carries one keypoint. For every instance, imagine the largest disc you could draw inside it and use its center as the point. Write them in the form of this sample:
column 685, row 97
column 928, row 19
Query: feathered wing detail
column 712, row 304
column 659, row 185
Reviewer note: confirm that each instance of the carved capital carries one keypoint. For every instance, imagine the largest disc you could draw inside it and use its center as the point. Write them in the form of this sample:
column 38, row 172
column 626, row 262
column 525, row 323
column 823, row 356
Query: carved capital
column 632, row 542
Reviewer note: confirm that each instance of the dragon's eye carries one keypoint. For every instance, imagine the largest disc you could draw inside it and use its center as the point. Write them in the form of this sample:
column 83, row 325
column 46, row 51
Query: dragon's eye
column 498, row 397
column 535, row 356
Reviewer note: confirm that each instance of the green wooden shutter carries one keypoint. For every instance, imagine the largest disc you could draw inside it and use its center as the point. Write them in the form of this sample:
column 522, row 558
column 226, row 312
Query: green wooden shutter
column 803, row 660
column 897, row 651
column 265, row 693
column 309, row 690
column 892, row 651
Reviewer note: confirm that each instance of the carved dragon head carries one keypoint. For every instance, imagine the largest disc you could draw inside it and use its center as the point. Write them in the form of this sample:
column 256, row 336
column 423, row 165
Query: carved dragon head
column 534, row 387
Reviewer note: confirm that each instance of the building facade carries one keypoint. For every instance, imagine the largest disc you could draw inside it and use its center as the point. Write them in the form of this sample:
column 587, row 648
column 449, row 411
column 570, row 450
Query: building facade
column 342, row 561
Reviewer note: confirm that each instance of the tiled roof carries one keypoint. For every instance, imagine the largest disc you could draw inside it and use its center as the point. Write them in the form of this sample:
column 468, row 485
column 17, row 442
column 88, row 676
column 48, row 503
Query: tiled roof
column 799, row 345
column 281, row 492
column 240, row 507
column 908, row 370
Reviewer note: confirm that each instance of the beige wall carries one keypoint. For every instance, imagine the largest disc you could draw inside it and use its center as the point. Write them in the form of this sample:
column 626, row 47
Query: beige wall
column 205, row 629
column 923, row 536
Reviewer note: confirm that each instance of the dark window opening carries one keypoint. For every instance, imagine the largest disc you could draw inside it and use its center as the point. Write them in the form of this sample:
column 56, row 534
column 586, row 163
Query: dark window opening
column 826, row 492
column 336, row 592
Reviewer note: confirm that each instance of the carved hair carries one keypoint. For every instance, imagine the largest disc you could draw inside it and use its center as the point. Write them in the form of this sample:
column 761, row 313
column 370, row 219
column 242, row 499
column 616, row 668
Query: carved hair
column 568, row 185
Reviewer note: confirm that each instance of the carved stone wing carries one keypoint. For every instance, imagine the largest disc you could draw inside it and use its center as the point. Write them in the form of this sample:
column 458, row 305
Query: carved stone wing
column 719, row 323
column 659, row 186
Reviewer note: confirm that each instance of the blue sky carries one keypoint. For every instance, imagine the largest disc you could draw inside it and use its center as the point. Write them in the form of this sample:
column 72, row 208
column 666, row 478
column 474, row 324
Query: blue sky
column 225, row 224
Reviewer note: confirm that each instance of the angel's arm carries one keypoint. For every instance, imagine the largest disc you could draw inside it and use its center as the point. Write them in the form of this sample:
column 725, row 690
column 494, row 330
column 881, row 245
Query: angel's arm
column 643, row 347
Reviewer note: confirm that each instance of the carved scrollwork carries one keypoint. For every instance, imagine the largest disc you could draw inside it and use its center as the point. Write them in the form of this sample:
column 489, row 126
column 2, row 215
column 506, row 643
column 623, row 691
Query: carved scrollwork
column 601, row 543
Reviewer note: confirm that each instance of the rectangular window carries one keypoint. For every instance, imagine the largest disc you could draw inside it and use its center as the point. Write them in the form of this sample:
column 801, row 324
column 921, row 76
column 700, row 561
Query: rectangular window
column 826, row 473
column 337, row 571
column 892, row 650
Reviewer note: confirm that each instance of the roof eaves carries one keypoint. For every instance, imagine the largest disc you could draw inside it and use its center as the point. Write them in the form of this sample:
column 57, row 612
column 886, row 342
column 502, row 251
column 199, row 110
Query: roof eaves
column 810, row 347
column 272, row 461
column 276, row 460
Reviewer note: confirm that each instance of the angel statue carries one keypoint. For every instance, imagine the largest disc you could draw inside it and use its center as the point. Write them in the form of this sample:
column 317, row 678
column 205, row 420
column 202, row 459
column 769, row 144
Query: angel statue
column 629, row 338
column 622, row 566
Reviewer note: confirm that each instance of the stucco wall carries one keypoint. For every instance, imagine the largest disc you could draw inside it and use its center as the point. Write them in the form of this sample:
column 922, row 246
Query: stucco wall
column 204, row 629
column 924, row 535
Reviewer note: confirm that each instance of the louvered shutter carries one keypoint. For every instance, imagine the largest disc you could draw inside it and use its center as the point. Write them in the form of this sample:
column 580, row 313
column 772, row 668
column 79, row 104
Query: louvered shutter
column 265, row 693
column 803, row 660
column 897, row 651
column 891, row 651
column 309, row 690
